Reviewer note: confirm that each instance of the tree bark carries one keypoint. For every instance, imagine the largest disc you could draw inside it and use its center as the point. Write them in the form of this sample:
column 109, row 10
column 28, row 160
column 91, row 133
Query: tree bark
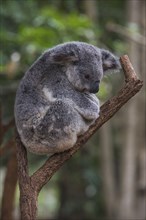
column 133, row 127
column 9, row 187
column 30, row 186
column 28, row 194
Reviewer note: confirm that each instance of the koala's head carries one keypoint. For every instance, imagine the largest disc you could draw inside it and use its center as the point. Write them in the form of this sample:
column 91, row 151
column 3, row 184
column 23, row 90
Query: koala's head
column 84, row 64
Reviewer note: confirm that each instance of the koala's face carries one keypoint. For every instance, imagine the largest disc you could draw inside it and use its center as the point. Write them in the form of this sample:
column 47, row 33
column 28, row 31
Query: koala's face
column 85, row 64
column 86, row 72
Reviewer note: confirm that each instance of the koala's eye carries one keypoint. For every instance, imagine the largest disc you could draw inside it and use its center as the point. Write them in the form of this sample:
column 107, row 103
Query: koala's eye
column 87, row 76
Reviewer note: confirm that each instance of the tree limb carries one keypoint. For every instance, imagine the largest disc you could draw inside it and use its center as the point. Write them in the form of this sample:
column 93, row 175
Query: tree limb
column 133, row 85
column 128, row 33
column 44, row 173
column 10, row 182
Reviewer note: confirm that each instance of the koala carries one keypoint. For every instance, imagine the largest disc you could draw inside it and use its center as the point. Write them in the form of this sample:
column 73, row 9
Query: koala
column 55, row 101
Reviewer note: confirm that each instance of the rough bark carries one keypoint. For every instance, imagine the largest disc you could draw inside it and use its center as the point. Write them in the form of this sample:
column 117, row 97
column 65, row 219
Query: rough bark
column 9, row 187
column 28, row 195
column 30, row 186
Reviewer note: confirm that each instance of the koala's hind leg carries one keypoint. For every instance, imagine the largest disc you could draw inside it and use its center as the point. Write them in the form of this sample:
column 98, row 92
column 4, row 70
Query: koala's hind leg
column 58, row 129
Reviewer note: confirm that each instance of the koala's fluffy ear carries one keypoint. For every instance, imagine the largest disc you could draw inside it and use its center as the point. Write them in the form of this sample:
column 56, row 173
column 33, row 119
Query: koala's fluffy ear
column 109, row 61
column 62, row 58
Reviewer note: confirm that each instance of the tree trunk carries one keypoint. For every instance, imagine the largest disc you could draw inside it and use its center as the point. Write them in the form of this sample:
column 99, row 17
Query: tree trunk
column 28, row 194
column 133, row 127
column 107, row 167
column 28, row 204
column 141, row 126
column 90, row 8
column 9, row 188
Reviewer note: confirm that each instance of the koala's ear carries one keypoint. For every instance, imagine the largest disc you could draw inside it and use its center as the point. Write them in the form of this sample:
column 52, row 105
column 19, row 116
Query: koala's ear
column 62, row 58
column 109, row 61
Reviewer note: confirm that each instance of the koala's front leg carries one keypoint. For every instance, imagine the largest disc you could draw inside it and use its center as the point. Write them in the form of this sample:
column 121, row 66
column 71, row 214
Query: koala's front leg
column 89, row 108
column 88, row 114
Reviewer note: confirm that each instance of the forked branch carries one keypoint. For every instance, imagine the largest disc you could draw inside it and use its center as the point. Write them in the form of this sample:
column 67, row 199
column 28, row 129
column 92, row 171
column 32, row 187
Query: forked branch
column 108, row 109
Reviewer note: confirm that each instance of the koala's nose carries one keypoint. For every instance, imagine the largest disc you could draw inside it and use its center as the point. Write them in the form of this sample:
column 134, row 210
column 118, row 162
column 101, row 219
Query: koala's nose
column 95, row 87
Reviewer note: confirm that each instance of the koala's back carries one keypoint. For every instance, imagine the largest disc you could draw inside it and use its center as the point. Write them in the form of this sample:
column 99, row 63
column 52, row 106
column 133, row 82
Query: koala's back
column 50, row 123
column 50, row 113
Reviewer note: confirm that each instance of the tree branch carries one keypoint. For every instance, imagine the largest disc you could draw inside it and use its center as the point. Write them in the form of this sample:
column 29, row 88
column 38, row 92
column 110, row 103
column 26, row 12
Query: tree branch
column 44, row 173
column 128, row 33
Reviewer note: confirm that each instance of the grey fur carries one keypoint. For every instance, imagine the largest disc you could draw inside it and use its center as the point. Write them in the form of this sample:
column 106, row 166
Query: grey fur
column 55, row 101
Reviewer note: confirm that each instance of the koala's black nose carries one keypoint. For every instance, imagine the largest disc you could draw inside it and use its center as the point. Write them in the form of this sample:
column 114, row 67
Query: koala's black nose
column 95, row 87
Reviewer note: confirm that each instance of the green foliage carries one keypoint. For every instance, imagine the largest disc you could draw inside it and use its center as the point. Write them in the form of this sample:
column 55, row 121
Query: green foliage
column 45, row 30
column 52, row 27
